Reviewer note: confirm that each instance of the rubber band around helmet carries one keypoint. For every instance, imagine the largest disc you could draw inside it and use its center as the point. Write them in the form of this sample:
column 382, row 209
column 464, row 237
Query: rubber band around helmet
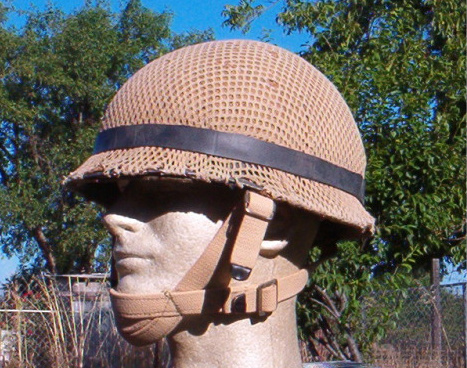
column 232, row 146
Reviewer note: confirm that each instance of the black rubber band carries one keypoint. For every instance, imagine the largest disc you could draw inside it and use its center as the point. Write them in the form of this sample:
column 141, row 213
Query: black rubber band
column 232, row 146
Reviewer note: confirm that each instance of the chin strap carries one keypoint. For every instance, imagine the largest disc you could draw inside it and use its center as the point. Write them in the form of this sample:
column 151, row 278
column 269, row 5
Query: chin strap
column 143, row 319
column 252, row 299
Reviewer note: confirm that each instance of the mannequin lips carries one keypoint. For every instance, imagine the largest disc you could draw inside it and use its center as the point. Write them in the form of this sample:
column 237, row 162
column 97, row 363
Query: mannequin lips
column 127, row 261
column 121, row 255
column 129, row 265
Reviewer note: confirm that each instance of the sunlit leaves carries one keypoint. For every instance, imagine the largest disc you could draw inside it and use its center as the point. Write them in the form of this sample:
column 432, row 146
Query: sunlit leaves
column 400, row 67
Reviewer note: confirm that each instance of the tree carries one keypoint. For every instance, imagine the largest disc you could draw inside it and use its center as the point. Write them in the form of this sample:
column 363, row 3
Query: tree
column 400, row 65
column 57, row 73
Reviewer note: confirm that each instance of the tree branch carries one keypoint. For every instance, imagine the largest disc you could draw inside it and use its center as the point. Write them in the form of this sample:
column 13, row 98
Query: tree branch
column 5, row 177
column 325, row 307
column 328, row 300
column 8, row 155
column 353, row 347
column 331, row 345
column 45, row 248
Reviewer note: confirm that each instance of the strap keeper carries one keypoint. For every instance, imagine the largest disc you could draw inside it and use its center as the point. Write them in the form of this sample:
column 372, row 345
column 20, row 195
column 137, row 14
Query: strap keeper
column 267, row 297
column 255, row 212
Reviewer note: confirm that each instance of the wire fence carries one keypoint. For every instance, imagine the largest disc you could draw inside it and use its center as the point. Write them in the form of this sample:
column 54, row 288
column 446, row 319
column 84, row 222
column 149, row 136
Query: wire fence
column 429, row 328
column 69, row 323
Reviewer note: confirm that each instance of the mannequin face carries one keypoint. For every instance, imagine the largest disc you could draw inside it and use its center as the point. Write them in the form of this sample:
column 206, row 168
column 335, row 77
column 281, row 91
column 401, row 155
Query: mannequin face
column 153, row 256
column 161, row 228
column 159, row 234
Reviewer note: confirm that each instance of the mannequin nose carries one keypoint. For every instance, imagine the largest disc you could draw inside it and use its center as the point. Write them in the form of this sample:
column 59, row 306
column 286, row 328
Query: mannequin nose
column 119, row 225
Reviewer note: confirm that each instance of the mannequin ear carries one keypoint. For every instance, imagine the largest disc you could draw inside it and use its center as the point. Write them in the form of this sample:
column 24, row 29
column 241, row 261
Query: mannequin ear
column 271, row 248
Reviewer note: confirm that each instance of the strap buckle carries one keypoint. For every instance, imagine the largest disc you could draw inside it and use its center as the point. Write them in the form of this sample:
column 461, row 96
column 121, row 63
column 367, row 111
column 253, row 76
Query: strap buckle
column 253, row 211
column 267, row 296
column 261, row 299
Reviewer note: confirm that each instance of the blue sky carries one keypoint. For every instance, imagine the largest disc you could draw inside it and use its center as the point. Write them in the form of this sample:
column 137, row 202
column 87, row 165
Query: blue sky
column 7, row 267
column 188, row 15
column 191, row 14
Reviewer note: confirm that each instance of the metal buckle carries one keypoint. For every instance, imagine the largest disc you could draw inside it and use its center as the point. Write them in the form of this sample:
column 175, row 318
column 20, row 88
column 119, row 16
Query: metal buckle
column 259, row 297
column 248, row 210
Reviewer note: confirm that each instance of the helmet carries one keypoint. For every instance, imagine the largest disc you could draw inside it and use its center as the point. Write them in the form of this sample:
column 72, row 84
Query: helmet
column 238, row 112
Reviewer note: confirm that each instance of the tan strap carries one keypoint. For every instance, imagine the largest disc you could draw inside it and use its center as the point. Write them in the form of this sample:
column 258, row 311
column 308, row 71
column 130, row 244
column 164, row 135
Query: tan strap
column 264, row 298
column 259, row 210
column 145, row 318
column 201, row 273
column 249, row 299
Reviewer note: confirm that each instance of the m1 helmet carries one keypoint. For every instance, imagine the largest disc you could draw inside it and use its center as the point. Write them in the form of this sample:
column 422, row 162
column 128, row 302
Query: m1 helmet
column 241, row 113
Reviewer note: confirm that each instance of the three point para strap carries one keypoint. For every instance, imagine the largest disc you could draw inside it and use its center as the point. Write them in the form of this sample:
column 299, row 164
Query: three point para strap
column 143, row 319
column 259, row 211
column 189, row 296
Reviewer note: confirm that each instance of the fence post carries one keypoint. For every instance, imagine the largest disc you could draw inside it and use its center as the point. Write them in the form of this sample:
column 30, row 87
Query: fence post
column 436, row 309
column 464, row 290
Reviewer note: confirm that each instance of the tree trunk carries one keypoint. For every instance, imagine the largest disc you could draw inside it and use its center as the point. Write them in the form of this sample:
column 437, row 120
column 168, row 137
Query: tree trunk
column 46, row 249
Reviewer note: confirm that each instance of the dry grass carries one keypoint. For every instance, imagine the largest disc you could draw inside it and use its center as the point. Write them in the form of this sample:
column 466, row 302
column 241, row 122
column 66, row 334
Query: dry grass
column 44, row 324
column 52, row 325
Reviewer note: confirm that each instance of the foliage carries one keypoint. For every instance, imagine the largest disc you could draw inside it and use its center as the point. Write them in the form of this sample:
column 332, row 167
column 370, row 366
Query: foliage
column 400, row 65
column 330, row 309
column 57, row 74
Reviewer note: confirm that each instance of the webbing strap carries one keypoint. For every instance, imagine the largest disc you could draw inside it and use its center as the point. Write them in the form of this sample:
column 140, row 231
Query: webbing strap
column 259, row 211
column 258, row 299
column 143, row 319
column 201, row 272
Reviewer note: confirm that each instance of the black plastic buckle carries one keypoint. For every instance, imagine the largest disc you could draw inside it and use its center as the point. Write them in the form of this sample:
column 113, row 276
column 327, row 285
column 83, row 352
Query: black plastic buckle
column 238, row 304
column 239, row 273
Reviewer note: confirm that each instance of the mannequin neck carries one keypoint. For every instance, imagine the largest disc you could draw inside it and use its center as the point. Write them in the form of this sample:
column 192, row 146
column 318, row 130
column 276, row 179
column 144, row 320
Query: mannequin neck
column 270, row 342
column 236, row 341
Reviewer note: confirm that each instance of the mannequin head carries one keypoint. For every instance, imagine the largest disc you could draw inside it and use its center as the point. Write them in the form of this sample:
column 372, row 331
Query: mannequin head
column 160, row 229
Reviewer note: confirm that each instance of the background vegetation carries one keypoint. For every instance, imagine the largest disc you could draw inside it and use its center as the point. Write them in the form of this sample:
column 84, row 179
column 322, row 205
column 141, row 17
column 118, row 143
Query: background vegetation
column 57, row 73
